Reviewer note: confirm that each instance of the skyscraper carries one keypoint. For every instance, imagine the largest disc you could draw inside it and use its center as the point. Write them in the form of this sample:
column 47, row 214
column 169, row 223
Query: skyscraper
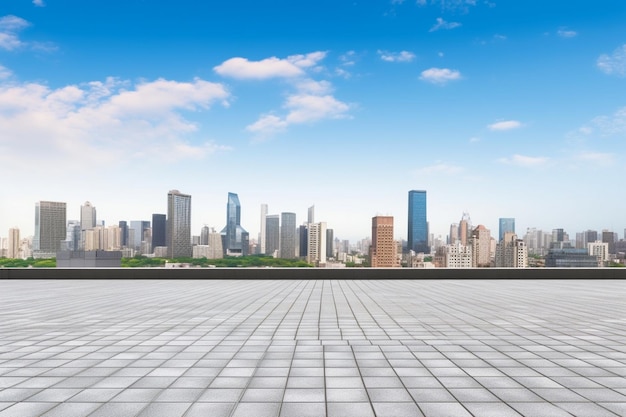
column 137, row 233
column 316, row 243
column 465, row 227
column 418, row 225
column 272, row 234
column 123, row 233
column 178, row 229
column 87, row 216
column 50, row 226
column 235, row 237
column 506, row 224
column 159, row 225
column 384, row 250
column 262, row 232
column 481, row 246
column 311, row 215
column 330, row 243
column 288, row 235
column 14, row 243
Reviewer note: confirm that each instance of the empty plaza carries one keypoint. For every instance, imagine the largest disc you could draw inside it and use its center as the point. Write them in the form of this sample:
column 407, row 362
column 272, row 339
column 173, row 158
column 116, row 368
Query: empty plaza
column 297, row 348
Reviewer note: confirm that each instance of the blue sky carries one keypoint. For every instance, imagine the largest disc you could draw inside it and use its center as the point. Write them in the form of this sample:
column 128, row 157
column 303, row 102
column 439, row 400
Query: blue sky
column 498, row 108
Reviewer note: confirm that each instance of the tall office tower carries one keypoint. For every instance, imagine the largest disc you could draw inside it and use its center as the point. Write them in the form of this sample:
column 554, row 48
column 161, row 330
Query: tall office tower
column 159, row 225
column 288, row 235
column 589, row 236
column 384, row 250
column 303, row 239
column 454, row 234
column 311, row 215
column 13, row 251
column 272, row 234
column 114, row 237
column 123, row 233
column 235, row 237
column 178, row 225
column 481, row 247
column 137, row 233
column 600, row 250
column 204, row 235
column 316, row 244
column 50, row 226
column 73, row 237
column 330, row 243
column 87, row 216
column 558, row 235
column 465, row 227
column 418, row 226
column 507, row 224
column 511, row 252
column 262, row 249
column 610, row 238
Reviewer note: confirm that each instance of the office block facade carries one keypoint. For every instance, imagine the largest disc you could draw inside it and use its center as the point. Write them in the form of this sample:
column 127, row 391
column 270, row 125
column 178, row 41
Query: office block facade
column 288, row 235
column 417, row 222
column 50, row 226
column 178, row 225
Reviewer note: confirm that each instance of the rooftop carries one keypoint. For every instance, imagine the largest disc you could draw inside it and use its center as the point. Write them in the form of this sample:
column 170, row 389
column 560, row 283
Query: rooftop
column 312, row 348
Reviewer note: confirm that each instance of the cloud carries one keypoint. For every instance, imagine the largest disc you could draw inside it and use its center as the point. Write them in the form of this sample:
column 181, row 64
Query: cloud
column 402, row 56
column 525, row 161
column 302, row 108
column 565, row 33
column 614, row 124
column 97, row 122
column 599, row 158
column 440, row 75
column 292, row 66
column 4, row 72
column 462, row 5
column 9, row 26
column 614, row 63
column 505, row 125
column 442, row 24
column 439, row 169
column 39, row 3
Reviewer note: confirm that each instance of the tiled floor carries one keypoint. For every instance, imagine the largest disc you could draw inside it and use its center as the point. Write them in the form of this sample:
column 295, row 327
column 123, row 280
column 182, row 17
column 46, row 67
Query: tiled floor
column 313, row 348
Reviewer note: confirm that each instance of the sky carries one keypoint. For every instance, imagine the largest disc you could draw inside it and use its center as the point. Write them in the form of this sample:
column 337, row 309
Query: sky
column 495, row 108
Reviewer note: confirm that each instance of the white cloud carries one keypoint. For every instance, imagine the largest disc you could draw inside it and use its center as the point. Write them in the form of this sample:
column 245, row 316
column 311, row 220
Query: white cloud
column 525, row 161
column 402, row 56
column 39, row 3
column 302, row 108
column 462, row 5
column 614, row 63
column 599, row 158
column 607, row 125
column 4, row 72
column 442, row 24
column 566, row 33
column 505, row 125
column 440, row 75
column 103, row 121
column 9, row 26
column 292, row 66
column 439, row 169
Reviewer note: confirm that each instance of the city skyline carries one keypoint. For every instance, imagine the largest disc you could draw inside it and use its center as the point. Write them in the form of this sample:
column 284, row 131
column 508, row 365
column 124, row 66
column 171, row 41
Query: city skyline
column 501, row 110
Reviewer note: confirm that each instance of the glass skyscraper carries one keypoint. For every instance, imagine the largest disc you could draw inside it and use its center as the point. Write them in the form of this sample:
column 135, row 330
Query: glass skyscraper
column 159, row 225
column 235, row 237
column 50, row 226
column 506, row 224
column 178, row 230
column 418, row 225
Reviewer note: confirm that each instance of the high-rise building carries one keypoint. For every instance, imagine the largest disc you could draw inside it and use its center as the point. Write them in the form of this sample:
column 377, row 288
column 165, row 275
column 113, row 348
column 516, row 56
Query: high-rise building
column 506, row 224
column 316, row 243
column 50, row 227
column 418, row 225
column 481, row 246
column 178, row 225
column 235, row 237
column 159, row 226
column 465, row 228
column 610, row 238
column 272, row 234
column 511, row 252
column 87, row 216
column 454, row 234
column 330, row 243
column 384, row 249
column 303, row 240
column 262, row 249
column 600, row 250
column 311, row 215
column 123, row 233
column 13, row 251
column 73, row 237
column 288, row 236
column 204, row 235
column 137, row 233
column 454, row 255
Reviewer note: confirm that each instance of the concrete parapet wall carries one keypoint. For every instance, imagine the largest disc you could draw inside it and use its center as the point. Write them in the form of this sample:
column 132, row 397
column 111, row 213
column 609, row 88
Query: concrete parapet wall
column 310, row 273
